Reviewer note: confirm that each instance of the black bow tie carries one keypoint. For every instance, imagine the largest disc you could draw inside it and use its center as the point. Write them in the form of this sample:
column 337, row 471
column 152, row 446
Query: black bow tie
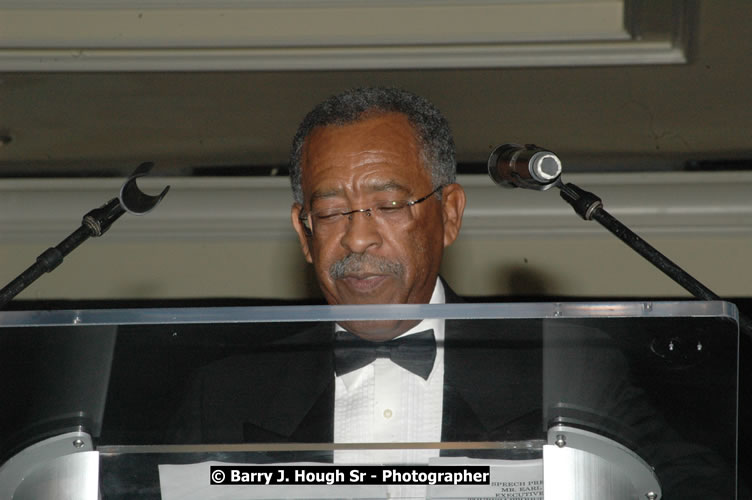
column 415, row 352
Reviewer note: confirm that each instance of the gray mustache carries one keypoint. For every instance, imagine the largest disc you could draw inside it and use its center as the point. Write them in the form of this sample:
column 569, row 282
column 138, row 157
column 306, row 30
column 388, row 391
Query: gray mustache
column 359, row 263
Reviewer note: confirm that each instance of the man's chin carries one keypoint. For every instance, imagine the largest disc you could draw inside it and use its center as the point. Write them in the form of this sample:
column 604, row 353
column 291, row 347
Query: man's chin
column 383, row 289
column 379, row 331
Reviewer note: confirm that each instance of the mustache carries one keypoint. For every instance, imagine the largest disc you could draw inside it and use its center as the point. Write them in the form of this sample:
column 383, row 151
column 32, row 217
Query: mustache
column 356, row 263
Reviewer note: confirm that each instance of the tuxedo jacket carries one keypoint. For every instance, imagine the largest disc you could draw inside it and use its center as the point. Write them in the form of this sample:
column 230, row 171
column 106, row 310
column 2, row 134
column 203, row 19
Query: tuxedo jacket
column 284, row 391
column 493, row 391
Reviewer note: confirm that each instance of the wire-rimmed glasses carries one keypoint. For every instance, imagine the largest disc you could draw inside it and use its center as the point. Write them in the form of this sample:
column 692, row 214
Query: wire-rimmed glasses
column 391, row 211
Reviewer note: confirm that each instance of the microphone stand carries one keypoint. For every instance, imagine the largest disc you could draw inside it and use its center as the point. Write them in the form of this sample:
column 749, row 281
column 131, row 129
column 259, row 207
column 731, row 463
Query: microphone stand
column 95, row 223
column 590, row 207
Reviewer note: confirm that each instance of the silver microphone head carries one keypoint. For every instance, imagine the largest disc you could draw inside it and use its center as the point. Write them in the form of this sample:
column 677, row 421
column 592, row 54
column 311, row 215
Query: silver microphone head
column 544, row 167
column 530, row 167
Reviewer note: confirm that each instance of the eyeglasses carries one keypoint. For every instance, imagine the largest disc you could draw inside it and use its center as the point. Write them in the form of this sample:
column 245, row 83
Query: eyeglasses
column 393, row 212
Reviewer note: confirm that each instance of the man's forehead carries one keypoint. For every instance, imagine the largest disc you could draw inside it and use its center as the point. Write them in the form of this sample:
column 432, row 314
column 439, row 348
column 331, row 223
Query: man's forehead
column 381, row 153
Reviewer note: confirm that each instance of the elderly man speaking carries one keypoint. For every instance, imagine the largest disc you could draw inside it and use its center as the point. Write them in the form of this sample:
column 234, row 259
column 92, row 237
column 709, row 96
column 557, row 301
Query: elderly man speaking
column 373, row 176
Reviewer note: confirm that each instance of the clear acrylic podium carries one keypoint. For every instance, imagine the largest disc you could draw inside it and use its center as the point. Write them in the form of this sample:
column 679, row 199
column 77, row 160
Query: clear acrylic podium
column 567, row 400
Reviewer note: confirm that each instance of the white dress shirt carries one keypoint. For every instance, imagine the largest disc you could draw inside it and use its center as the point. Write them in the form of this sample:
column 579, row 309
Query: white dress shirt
column 385, row 403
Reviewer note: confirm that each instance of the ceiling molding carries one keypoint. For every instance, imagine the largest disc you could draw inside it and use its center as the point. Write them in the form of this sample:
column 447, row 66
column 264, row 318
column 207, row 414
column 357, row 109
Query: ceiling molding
column 540, row 55
column 44, row 211
column 335, row 35
column 229, row 4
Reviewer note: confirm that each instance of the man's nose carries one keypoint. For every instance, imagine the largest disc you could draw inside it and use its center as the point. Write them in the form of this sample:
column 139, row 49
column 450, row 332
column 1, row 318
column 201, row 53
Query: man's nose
column 361, row 232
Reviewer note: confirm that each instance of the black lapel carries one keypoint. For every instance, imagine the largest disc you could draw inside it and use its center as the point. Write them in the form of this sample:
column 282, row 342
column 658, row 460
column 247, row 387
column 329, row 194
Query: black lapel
column 492, row 379
column 300, row 406
column 450, row 297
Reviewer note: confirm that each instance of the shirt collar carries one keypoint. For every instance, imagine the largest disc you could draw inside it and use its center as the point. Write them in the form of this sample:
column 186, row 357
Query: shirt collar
column 437, row 325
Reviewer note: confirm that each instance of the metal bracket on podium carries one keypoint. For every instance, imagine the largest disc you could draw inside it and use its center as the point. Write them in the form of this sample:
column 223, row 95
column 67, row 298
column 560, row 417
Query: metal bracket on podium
column 63, row 467
column 583, row 465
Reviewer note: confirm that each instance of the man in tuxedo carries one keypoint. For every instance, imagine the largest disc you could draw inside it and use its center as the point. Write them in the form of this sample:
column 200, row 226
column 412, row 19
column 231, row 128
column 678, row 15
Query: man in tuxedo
column 375, row 204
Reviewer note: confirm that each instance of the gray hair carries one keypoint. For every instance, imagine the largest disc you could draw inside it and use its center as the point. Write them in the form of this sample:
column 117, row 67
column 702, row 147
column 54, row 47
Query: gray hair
column 431, row 128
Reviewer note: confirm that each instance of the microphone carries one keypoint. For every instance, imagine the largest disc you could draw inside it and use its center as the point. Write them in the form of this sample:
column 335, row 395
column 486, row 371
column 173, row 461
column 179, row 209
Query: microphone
column 530, row 167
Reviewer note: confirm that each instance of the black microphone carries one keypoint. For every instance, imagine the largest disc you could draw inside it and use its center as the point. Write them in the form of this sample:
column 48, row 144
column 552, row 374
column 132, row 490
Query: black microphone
column 530, row 167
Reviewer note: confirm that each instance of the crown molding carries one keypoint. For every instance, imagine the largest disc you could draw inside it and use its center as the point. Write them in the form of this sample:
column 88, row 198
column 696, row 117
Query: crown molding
column 537, row 55
column 330, row 35
column 224, row 208
column 229, row 4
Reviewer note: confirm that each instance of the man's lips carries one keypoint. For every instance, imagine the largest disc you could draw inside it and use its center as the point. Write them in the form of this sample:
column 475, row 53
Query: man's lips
column 364, row 282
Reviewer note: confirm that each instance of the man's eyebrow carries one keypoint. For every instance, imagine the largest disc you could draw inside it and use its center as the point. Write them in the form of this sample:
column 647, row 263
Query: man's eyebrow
column 371, row 187
column 391, row 185
column 326, row 193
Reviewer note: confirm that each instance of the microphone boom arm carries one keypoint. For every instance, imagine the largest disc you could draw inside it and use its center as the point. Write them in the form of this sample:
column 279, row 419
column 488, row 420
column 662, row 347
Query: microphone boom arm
column 590, row 207
column 532, row 167
column 95, row 223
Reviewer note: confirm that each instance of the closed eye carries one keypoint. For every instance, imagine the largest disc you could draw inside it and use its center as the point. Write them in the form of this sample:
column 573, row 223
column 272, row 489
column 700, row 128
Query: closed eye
column 330, row 214
column 391, row 206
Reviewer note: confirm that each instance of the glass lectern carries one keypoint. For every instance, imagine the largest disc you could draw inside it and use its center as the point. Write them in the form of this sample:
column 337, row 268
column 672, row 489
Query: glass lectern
column 535, row 400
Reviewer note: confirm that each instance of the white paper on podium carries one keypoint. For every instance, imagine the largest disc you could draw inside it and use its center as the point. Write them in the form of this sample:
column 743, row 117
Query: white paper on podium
column 510, row 480
column 191, row 482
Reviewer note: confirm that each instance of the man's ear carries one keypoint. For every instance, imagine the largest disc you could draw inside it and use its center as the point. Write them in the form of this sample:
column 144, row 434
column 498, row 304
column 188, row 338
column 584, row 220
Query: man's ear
column 303, row 234
column 452, row 206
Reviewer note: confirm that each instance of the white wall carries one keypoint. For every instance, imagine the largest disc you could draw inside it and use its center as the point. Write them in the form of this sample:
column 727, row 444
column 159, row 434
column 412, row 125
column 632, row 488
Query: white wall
column 231, row 238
